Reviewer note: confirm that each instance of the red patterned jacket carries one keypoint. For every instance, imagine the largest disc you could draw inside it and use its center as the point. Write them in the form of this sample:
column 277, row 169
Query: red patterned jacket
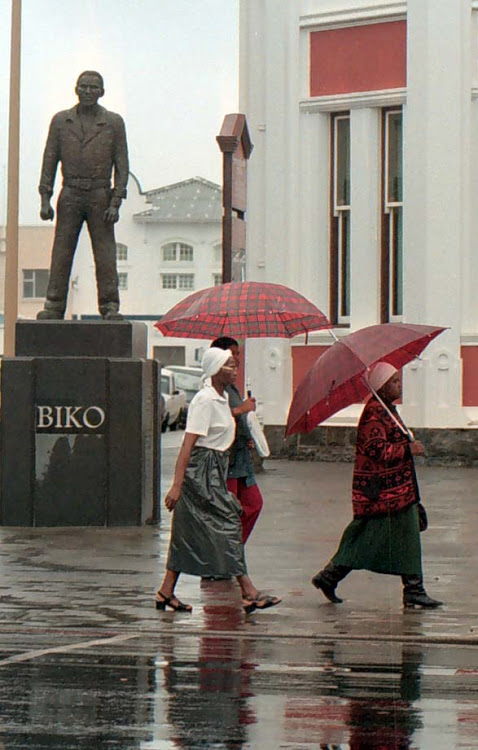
column 384, row 479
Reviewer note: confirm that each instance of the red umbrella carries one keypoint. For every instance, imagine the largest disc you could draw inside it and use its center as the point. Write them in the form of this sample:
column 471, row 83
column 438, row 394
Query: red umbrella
column 243, row 309
column 336, row 379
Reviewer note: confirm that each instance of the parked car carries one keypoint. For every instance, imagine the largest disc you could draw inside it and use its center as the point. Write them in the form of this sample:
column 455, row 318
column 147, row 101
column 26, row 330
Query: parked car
column 188, row 379
column 174, row 406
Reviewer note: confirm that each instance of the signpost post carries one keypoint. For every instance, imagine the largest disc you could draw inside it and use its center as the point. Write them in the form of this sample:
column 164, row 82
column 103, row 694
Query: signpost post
column 236, row 146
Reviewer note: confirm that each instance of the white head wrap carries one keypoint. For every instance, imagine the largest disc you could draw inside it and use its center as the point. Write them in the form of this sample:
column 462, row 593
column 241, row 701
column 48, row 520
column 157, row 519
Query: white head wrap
column 212, row 361
column 381, row 374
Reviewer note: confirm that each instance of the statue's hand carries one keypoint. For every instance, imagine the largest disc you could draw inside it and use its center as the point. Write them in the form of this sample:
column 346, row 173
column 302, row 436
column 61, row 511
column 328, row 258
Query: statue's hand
column 46, row 211
column 111, row 215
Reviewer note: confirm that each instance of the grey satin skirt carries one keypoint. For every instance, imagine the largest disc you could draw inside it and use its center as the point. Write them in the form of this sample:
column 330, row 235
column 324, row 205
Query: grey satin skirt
column 206, row 533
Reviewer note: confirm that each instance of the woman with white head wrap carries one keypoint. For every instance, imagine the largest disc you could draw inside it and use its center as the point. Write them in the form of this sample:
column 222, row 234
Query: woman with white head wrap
column 241, row 479
column 384, row 536
column 206, row 533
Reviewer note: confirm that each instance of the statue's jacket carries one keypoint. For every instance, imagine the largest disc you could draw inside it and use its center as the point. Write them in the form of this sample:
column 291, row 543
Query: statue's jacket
column 87, row 161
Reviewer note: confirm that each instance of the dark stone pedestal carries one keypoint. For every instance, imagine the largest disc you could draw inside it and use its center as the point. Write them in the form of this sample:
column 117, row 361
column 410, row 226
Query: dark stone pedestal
column 80, row 434
column 79, row 338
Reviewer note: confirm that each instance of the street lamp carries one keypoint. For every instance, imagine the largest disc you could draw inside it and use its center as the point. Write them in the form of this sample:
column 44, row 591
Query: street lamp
column 11, row 236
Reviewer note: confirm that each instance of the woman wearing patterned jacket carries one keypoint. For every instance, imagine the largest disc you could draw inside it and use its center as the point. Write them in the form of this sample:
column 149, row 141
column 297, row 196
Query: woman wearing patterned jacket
column 384, row 536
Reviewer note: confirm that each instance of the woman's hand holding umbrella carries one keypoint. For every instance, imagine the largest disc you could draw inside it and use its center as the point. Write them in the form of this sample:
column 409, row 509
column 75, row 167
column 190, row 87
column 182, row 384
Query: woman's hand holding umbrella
column 417, row 448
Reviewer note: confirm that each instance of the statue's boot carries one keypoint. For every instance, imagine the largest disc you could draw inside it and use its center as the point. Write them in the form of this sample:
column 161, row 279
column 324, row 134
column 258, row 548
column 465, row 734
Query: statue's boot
column 113, row 316
column 110, row 311
column 50, row 314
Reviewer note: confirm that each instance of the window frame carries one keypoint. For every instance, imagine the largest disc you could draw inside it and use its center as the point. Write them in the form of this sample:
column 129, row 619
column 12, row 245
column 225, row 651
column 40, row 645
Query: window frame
column 181, row 278
column 391, row 255
column 177, row 250
column 179, row 284
column 34, row 282
column 340, row 235
column 121, row 249
column 185, row 249
column 171, row 276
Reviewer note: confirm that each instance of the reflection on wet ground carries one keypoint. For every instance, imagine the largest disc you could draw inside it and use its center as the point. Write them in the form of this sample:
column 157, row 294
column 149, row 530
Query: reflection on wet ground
column 179, row 690
column 86, row 662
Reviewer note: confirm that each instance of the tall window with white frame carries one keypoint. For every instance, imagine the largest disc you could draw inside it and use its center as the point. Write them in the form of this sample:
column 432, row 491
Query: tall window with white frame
column 340, row 219
column 391, row 301
column 121, row 251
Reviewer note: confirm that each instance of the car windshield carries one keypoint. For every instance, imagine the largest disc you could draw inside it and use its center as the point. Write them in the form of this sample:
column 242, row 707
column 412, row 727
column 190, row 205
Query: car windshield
column 165, row 384
column 187, row 381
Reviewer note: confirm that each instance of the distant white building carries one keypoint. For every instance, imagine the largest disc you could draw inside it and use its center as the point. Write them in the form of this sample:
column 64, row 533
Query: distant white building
column 168, row 245
column 34, row 251
column 362, row 187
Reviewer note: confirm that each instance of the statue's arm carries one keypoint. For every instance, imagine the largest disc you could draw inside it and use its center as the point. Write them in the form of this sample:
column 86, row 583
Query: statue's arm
column 51, row 157
column 121, row 171
column 121, row 163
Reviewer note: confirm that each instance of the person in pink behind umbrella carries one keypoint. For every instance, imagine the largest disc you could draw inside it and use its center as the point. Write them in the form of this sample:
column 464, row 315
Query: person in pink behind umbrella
column 241, row 480
column 384, row 536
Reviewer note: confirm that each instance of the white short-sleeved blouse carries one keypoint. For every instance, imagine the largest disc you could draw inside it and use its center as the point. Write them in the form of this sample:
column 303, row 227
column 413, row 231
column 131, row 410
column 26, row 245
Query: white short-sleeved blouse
column 209, row 416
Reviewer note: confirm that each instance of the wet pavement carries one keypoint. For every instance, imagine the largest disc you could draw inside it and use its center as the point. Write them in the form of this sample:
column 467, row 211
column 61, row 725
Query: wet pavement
column 86, row 661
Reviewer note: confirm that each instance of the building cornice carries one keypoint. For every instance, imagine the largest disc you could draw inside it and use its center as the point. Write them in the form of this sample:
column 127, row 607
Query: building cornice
column 336, row 103
column 395, row 10
column 152, row 219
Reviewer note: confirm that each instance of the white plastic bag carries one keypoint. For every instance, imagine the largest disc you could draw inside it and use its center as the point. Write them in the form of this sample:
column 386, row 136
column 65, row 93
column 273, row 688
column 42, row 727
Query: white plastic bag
column 257, row 434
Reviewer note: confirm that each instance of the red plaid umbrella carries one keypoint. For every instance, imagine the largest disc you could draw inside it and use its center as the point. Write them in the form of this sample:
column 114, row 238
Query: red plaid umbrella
column 243, row 309
column 336, row 379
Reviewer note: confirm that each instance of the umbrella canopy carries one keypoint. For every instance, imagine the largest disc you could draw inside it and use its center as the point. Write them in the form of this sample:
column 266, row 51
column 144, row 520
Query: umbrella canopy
column 243, row 309
column 336, row 379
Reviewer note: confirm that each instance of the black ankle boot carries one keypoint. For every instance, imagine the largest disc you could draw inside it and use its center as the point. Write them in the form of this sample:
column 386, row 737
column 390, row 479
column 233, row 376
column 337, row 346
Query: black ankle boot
column 327, row 579
column 414, row 594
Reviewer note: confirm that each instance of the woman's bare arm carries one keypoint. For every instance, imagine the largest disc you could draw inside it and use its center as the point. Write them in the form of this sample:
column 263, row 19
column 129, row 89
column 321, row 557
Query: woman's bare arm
column 181, row 465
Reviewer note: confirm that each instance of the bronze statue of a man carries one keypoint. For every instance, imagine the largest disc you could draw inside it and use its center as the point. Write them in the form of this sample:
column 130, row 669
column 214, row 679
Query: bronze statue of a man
column 90, row 143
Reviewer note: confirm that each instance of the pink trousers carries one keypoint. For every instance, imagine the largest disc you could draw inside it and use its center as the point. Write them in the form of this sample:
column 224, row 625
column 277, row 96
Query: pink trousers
column 251, row 502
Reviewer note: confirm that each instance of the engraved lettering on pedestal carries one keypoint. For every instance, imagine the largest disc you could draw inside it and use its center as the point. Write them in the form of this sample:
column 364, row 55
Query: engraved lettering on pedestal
column 100, row 417
column 71, row 418
column 45, row 418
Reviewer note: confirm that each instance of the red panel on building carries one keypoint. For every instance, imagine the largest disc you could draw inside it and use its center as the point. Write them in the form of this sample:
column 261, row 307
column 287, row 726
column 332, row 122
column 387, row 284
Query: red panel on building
column 303, row 357
column 358, row 58
column 469, row 355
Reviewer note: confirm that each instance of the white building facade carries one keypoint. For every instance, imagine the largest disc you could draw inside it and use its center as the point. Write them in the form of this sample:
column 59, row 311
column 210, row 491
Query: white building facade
column 363, row 184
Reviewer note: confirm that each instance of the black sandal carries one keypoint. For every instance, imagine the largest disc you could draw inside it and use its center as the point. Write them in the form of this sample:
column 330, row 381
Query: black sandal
column 263, row 601
column 266, row 601
column 167, row 601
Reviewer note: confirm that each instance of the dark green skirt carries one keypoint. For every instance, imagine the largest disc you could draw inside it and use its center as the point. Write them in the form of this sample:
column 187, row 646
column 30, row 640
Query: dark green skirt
column 389, row 544
column 206, row 534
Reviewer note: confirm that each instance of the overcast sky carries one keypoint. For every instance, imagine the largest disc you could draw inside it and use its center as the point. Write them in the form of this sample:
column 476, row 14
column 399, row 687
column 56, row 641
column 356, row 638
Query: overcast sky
column 170, row 69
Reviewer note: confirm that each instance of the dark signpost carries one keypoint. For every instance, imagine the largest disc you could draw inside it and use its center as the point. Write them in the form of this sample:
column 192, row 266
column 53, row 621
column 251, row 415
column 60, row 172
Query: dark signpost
column 236, row 146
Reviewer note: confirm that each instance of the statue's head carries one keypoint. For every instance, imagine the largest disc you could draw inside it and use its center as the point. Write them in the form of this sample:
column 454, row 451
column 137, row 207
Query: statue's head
column 89, row 87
